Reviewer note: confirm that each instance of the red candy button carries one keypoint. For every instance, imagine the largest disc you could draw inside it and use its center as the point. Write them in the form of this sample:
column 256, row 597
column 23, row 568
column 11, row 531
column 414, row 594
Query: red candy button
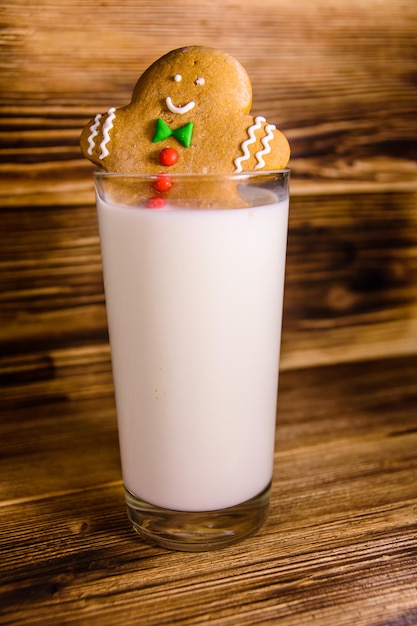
column 162, row 184
column 168, row 157
column 155, row 203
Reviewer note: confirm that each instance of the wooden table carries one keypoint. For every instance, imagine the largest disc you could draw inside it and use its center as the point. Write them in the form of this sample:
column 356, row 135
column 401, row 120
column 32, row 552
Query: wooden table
column 340, row 545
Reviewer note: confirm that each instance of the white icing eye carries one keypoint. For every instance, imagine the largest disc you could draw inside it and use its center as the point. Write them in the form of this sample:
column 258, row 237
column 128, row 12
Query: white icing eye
column 178, row 78
column 200, row 81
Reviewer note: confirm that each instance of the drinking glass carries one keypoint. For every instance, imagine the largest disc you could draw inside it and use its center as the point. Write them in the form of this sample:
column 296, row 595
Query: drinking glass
column 194, row 276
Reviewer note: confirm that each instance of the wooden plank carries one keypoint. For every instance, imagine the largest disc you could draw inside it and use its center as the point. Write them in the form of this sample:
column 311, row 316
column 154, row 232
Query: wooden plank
column 348, row 111
column 66, row 404
column 83, row 565
column 339, row 542
column 350, row 283
column 324, row 73
column 351, row 278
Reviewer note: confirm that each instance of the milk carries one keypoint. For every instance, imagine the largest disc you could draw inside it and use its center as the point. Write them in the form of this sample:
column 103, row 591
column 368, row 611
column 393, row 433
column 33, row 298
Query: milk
column 194, row 303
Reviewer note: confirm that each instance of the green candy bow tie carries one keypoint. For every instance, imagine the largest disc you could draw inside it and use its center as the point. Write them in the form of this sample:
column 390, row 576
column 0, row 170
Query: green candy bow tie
column 182, row 134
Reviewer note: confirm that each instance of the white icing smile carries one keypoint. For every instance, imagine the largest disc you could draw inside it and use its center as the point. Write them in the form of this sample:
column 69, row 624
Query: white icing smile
column 180, row 110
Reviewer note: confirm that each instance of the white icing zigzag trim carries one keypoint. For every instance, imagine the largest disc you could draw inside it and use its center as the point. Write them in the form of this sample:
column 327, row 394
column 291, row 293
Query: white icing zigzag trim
column 94, row 133
column 269, row 128
column 248, row 142
column 108, row 125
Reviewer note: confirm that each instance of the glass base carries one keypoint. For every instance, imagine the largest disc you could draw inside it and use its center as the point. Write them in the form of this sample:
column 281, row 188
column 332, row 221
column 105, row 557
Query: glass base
column 197, row 531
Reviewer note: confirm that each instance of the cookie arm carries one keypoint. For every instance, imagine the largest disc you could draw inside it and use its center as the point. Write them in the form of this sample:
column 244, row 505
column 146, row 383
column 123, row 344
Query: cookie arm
column 275, row 152
column 90, row 139
column 95, row 137
column 264, row 147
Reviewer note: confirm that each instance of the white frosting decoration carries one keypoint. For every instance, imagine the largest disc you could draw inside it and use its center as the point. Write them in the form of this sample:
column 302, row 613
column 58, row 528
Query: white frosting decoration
column 107, row 126
column 178, row 78
column 93, row 133
column 269, row 128
column 252, row 139
column 200, row 81
column 181, row 110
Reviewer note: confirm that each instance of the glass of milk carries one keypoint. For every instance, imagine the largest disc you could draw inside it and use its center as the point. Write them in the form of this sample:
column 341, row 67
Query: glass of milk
column 194, row 280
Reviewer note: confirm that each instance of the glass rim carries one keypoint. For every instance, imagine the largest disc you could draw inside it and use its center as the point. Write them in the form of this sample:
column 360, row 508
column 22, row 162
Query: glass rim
column 240, row 177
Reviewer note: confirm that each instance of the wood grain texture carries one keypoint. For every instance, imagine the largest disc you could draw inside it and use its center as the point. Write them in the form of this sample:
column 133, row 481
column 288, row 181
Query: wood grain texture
column 350, row 286
column 339, row 80
column 340, row 544
column 324, row 72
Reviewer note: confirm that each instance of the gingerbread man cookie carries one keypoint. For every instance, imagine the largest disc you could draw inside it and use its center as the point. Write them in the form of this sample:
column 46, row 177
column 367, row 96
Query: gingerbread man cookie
column 189, row 113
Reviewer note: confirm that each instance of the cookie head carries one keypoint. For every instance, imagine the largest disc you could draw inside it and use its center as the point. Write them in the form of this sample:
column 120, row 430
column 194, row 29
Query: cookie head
column 193, row 82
